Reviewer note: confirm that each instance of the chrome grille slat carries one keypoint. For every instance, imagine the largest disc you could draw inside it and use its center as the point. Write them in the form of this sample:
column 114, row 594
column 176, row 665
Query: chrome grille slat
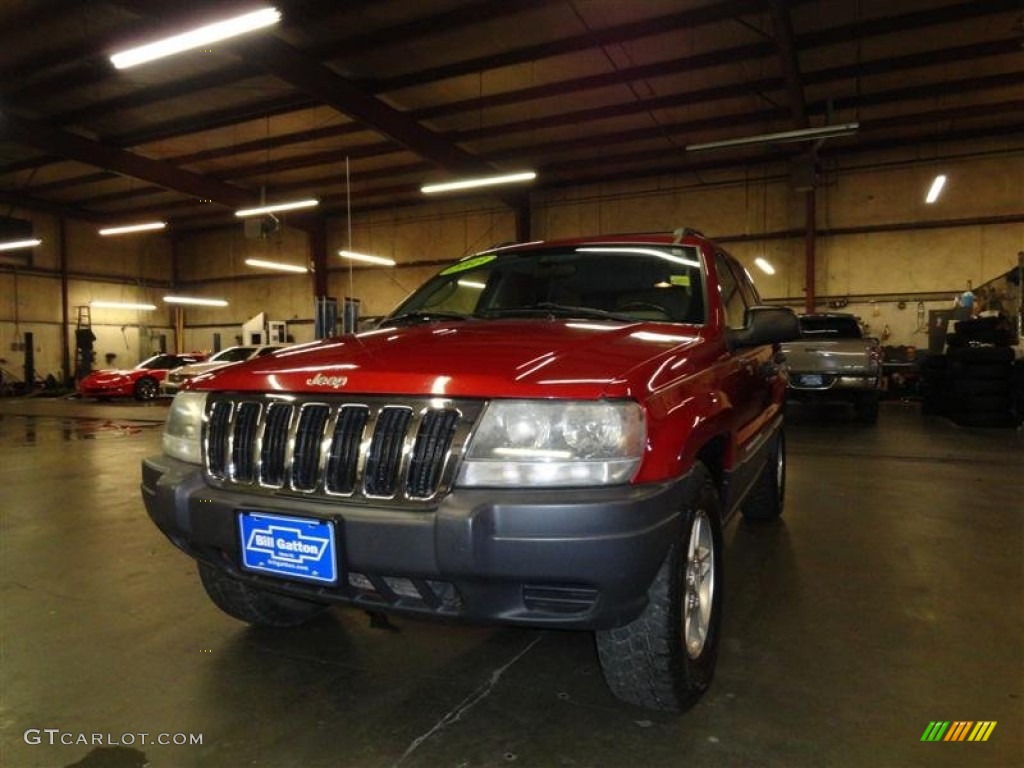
column 433, row 439
column 218, row 429
column 346, row 440
column 402, row 450
column 243, row 441
column 383, row 459
column 275, row 445
column 309, row 433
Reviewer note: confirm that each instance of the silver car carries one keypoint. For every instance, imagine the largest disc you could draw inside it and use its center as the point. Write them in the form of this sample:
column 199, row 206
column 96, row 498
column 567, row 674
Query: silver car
column 176, row 378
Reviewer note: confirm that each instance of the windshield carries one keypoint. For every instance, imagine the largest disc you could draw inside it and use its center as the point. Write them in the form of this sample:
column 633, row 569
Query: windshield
column 816, row 327
column 611, row 282
column 232, row 355
column 162, row 362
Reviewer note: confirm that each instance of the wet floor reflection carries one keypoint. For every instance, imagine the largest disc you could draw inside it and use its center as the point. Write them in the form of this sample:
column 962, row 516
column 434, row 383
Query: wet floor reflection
column 30, row 430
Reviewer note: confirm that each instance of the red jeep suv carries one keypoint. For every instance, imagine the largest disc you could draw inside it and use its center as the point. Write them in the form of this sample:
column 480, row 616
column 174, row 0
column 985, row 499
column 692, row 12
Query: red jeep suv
column 548, row 434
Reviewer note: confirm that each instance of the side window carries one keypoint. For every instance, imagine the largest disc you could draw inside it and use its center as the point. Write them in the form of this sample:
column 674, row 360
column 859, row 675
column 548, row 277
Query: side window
column 732, row 295
column 750, row 294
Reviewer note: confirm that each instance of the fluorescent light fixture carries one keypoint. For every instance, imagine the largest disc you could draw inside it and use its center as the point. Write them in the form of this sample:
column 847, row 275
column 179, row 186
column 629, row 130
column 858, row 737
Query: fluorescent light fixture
column 12, row 245
column 128, row 228
column 121, row 305
column 764, row 265
column 474, row 284
column 277, row 207
column 483, row 181
column 275, row 265
column 803, row 134
column 195, row 38
column 196, row 301
column 936, row 189
column 384, row 262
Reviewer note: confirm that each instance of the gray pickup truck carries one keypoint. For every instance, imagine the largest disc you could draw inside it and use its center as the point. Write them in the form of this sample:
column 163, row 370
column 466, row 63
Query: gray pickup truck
column 833, row 360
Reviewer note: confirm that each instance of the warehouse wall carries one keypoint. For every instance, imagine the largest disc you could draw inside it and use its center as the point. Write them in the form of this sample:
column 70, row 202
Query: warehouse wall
column 213, row 265
column 879, row 244
column 120, row 269
column 755, row 213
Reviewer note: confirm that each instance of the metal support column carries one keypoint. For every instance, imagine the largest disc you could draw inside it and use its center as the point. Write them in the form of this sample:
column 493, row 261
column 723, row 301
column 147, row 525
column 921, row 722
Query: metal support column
column 810, row 237
column 524, row 220
column 65, row 336
column 317, row 233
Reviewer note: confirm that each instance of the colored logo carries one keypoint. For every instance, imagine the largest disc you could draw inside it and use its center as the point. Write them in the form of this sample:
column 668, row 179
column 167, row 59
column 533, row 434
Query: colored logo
column 959, row 730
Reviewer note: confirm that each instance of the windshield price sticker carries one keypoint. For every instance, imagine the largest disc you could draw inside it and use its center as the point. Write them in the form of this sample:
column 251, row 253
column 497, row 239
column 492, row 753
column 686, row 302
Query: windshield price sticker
column 466, row 264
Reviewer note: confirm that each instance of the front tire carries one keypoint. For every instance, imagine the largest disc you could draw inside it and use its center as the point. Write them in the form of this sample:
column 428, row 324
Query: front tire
column 665, row 658
column 146, row 388
column 253, row 605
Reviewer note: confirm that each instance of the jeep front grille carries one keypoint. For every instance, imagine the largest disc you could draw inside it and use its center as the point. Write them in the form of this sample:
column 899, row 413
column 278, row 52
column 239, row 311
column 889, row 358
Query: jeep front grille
column 402, row 450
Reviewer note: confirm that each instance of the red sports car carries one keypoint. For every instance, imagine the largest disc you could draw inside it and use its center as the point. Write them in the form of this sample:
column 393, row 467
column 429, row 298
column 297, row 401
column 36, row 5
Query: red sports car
column 141, row 382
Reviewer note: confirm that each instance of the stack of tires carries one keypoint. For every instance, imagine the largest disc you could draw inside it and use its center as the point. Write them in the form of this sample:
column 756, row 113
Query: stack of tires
column 1017, row 387
column 936, row 385
column 983, row 392
column 996, row 331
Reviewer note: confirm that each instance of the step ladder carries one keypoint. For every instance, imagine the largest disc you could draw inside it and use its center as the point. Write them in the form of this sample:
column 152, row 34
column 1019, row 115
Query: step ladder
column 84, row 354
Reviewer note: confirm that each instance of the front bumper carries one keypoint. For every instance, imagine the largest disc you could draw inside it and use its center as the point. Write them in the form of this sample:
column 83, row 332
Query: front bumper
column 571, row 559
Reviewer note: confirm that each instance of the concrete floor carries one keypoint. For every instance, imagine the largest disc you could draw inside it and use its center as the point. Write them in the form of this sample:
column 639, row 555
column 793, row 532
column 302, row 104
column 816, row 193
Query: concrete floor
column 889, row 597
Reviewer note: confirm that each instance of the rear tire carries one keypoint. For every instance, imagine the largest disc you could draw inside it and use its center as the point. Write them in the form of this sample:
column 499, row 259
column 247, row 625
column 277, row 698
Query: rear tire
column 766, row 499
column 253, row 605
column 665, row 658
column 866, row 409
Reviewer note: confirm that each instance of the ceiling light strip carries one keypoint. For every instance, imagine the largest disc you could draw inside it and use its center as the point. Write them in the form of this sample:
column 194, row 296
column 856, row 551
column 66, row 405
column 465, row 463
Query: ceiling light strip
column 803, row 134
column 764, row 265
column 354, row 256
column 936, row 189
column 195, row 300
column 121, row 305
column 264, row 264
column 277, row 207
column 12, row 245
column 483, row 181
column 129, row 228
column 196, row 38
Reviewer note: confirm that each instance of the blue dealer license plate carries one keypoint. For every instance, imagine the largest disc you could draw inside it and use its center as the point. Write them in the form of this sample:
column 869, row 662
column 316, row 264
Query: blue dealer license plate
column 292, row 547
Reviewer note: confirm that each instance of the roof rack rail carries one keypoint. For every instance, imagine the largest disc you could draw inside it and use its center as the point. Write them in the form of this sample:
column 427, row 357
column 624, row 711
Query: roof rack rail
column 685, row 231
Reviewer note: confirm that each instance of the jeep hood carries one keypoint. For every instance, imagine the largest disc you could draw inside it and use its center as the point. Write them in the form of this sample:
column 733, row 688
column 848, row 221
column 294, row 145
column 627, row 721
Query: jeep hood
column 470, row 358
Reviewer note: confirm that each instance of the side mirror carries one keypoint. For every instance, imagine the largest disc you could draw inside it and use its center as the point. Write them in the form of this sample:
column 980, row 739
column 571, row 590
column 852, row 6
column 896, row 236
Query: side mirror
column 766, row 325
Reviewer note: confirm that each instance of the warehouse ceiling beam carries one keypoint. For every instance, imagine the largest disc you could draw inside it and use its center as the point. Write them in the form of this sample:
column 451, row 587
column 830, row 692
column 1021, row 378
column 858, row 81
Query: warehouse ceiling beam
column 782, row 25
column 85, row 64
column 362, row 42
column 306, row 74
column 74, row 147
column 218, row 118
column 924, row 91
column 17, row 199
column 805, row 164
column 293, row 102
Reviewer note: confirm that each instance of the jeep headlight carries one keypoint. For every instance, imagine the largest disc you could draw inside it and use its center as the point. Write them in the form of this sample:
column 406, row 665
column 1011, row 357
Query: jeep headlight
column 530, row 443
column 184, row 428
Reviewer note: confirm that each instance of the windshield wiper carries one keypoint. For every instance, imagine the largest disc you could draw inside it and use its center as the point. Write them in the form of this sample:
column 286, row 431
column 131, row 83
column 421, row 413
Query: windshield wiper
column 559, row 310
column 424, row 316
